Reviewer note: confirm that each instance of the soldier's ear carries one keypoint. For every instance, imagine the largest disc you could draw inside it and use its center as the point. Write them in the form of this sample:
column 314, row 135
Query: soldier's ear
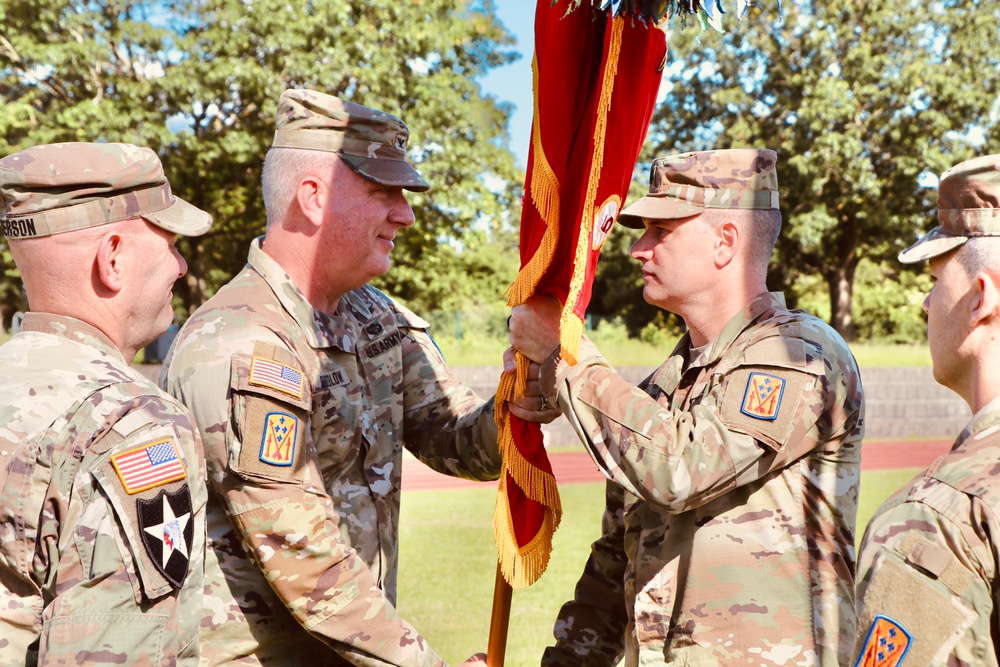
column 108, row 264
column 311, row 197
column 985, row 304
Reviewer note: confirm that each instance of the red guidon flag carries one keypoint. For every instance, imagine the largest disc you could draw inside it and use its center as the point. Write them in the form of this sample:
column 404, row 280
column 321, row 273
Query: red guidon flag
column 596, row 79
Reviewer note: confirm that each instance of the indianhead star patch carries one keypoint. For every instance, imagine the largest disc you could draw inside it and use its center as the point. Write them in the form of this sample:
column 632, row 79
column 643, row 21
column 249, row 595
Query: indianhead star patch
column 151, row 465
column 167, row 531
column 763, row 396
column 269, row 373
column 277, row 445
column 886, row 645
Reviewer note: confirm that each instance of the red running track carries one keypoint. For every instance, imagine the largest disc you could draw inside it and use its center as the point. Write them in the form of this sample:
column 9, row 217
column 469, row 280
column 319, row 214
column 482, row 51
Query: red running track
column 572, row 467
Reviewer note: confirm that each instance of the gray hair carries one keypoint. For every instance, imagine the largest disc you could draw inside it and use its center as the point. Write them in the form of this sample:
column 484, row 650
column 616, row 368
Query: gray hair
column 760, row 227
column 283, row 170
column 980, row 253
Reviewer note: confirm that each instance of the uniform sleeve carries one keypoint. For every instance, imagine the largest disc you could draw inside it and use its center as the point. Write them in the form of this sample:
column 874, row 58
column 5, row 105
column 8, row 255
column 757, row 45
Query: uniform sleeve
column 753, row 419
column 590, row 628
column 447, row 426
column 266, row 471
column 132, row 575
column 925, row 584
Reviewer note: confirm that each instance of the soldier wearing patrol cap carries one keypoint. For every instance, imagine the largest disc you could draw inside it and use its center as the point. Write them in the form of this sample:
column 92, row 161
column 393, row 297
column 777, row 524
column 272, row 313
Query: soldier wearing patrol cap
column 927, row 569
column 307, row 383
column 102, row 487
column 728, row 532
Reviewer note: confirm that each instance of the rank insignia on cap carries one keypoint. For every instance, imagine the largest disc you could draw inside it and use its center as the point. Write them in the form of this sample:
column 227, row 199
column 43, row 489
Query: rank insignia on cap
column 167, row 531
column 763, row 396
column 148, row 466
column 277, row 446
column 886, row 645
column 269, row 373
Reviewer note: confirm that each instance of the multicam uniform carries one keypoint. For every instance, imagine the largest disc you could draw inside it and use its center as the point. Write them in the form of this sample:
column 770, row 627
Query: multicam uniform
column 927, row 571
column 102, row 506
column 304, row 416
column 728, row 535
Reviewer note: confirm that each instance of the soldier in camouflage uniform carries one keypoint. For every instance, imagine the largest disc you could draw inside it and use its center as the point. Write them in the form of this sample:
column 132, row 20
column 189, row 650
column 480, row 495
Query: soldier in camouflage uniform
column 728, row 533
column 927, row 569
column 306, row 384
column 102, row 489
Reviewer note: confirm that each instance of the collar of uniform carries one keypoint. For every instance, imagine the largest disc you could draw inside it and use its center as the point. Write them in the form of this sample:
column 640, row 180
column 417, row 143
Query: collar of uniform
column 71, row 329
column 769, row 301
column 988, row 416
column 320, row 329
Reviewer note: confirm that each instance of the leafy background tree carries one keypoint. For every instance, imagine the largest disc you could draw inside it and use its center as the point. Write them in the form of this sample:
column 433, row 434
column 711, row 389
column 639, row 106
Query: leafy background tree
column 198, row 81
column 865, row 101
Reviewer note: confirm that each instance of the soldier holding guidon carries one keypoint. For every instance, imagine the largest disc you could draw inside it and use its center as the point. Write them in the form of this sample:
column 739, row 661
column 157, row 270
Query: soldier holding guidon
column 728, row 533
column 102, row 487
column 306, row 383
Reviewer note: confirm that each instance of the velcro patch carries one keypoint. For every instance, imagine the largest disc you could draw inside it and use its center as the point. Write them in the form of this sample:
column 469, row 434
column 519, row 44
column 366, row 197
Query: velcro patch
column 277, row 446
column 167, row 531
column 886, row 644
column 269, row 373
column 762, row 398
column 148, row 466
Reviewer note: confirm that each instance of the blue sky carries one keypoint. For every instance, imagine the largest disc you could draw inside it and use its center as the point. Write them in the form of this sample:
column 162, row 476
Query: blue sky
column 512, row 83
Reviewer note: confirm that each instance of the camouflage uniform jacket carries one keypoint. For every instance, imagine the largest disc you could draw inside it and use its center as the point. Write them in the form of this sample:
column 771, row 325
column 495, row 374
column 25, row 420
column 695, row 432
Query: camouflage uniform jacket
column 102, row 506
column 927, row 570
column 728, row 533
column 317, row 506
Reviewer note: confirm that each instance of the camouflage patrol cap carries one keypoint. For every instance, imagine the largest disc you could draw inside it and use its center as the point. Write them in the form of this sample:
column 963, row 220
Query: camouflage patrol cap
column 968, row 205
column 56, row 188
column 681, row 186
column 370, row 142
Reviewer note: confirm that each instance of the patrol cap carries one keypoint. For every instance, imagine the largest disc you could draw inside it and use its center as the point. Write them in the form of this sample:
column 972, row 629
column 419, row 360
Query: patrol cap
column 684, row 185
column 56, row 188
column 370, row 142
column 968, row 205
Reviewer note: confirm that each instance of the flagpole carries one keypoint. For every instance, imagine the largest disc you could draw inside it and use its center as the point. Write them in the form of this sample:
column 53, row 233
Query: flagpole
column 496, row 648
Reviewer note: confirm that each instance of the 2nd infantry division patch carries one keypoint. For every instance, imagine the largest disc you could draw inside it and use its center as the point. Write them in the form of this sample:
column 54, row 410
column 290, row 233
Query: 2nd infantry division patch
column 277, row 445
column 886, row 645
column 167, row 532
column 762, row 398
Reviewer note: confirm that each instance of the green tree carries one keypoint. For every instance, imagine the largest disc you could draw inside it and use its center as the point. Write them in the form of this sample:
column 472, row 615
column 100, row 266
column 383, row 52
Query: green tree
column 198, row 81
column 862, row 99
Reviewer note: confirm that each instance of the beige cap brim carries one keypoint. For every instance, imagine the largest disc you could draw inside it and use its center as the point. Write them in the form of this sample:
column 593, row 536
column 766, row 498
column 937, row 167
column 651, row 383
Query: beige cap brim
column 656, row 208
column 398, row 173
column 180, row 218
column 931, row 244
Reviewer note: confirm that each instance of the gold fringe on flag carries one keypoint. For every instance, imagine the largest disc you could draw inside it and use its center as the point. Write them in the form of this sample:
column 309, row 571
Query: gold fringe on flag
column 571, row 324
column 520, row 566
column 544, row 190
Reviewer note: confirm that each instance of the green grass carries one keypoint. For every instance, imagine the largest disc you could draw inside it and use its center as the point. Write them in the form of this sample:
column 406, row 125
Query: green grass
column 448, row 565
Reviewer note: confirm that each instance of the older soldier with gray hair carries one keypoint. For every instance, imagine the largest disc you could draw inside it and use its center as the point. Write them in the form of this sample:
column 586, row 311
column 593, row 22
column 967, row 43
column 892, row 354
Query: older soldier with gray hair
column 307, row 383
column 728, row 533
column 102, row 489
column 928, row 567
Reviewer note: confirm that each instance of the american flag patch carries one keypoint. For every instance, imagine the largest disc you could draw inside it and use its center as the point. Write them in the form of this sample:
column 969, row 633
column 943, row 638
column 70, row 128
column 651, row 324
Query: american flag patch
column 269, row 373
column 151, row 465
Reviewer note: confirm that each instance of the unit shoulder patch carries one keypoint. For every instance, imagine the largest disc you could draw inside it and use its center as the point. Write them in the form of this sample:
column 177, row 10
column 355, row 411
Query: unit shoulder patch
column 269, row 373
column 886, row 644
column 167, row 530
column 762, row 397
column 150, row 465
column 277, row 445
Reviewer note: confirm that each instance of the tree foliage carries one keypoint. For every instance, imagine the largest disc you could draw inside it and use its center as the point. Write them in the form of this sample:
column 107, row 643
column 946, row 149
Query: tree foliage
column 198, row 81
column 864, row 100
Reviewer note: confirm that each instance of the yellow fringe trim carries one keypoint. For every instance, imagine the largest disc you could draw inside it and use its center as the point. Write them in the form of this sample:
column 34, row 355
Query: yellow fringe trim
column 570, row 325
column 521, row 566
column 544, row 189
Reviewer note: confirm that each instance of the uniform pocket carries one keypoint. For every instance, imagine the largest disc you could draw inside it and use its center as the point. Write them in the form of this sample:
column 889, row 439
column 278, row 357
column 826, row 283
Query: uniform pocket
column 124, row 639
